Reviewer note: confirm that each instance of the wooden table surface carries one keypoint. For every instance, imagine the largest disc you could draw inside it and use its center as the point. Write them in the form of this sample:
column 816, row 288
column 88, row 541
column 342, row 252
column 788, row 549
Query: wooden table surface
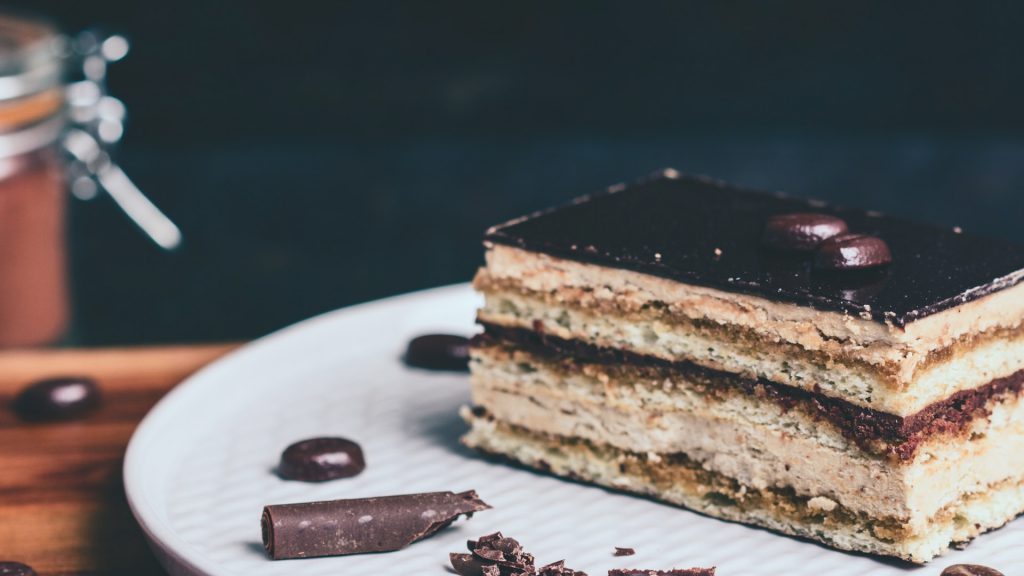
column 62, row 503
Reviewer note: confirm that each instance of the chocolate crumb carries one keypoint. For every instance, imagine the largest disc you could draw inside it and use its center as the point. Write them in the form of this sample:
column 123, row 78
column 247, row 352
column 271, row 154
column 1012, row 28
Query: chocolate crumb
column 686, row 572
column 498, row 555
column 466, row 564
column 558, row 569
column 970, row 570
column 624, row 551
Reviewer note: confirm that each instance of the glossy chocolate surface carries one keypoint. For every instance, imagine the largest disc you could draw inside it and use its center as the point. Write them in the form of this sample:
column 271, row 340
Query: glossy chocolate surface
column 707, row 233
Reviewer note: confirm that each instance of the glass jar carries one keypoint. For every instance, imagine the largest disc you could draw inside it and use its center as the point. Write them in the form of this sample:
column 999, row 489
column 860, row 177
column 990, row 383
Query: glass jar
column 54, row 134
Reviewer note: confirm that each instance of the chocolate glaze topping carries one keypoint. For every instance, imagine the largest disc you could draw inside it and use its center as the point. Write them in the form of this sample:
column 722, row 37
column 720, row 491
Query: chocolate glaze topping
column 874, row 431
column 704, row 232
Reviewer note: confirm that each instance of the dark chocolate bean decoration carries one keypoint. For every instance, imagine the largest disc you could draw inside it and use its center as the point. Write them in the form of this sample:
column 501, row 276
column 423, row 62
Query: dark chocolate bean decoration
column 438, row 352
column 57, row 399
column 16, row 569
column 802, row 231
column 320, row 459
column 970, row 570
column 341, row 527
column 619, row 551
column 852, row 252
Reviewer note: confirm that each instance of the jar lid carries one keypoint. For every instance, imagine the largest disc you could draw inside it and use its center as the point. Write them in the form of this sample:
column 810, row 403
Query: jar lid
column 30, row 56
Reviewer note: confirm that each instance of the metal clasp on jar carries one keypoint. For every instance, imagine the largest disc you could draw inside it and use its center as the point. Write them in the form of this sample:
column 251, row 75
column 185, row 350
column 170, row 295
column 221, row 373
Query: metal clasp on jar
column 96, row 123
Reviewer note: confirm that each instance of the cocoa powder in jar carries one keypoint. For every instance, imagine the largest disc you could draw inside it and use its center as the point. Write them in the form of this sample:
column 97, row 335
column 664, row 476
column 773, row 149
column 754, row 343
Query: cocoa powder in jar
column 34, row 300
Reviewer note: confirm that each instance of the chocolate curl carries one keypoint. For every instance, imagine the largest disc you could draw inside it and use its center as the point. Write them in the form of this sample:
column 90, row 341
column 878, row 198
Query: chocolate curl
column 340, row 527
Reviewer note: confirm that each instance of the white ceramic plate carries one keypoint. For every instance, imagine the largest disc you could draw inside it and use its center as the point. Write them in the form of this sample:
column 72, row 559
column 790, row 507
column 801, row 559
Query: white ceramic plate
column 200, row 467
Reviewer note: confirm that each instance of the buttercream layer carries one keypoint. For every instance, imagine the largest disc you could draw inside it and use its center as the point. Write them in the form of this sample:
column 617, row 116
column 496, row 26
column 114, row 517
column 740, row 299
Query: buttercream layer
column 676, row 479
column 964, row 365
column 809, row 327
column 760, row 443
column 874, row 431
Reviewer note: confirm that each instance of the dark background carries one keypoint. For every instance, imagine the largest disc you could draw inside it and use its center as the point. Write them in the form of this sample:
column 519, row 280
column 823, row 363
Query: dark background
column 318, row 154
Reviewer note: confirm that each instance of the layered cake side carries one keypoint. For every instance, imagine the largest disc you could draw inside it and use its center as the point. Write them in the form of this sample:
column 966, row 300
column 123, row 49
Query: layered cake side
column 648, row 340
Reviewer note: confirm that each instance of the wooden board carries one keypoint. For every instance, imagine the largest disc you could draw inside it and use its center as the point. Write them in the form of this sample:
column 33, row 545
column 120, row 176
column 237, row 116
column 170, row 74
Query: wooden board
column 62, row 503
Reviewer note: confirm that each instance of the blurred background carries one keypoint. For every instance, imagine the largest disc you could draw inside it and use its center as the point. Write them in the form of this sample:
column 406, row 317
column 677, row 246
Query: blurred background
column 319, row 154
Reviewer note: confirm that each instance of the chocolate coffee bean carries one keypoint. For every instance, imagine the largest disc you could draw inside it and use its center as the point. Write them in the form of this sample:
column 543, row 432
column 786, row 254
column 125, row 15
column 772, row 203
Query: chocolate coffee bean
column 970, row 570
column 438, row 352
column 15, row 569
column 802, row 231
column 852, row 252
column 321, row 459
column 57, row 399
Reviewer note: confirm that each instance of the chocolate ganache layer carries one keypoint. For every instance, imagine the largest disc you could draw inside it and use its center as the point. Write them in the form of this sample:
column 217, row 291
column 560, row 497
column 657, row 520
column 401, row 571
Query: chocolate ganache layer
column 707, row 233
column 874, row 431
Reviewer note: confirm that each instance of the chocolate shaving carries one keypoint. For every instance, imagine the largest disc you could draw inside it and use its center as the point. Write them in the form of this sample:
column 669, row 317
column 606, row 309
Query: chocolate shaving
column 686, row 572
column 497, row 555
column 340, row 527
column 624, row 551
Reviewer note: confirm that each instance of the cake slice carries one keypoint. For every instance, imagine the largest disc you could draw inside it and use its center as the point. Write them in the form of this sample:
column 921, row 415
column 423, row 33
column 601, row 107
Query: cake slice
column 648, row 339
